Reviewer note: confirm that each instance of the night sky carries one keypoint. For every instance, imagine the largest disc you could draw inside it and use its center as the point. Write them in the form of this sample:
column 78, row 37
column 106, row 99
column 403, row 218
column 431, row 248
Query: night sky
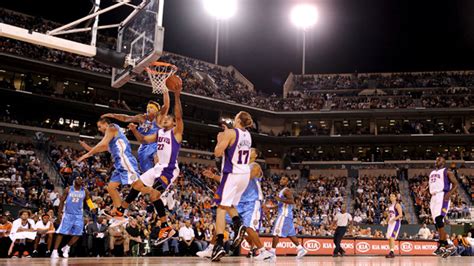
column 351, row 35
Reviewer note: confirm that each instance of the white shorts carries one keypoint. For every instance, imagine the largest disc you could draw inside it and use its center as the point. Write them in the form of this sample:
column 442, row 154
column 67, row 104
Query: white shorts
column 231, row 188
column 393, row 229
column 165, row 177
column 438, row 206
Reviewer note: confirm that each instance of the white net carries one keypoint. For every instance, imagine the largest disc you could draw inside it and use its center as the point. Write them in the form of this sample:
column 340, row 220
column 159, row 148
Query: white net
column 158, row 72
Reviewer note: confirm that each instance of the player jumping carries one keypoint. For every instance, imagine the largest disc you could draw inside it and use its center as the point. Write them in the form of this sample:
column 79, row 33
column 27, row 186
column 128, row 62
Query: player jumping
column 284, row 226
column 126, row 166
column 234, row 146
column 148, row 124
column 158, row 179
column 394, row 221
column 71, row 211
column 442, row 183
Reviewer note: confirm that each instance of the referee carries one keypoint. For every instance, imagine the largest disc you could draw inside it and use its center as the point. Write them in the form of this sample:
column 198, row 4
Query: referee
column 341, row 219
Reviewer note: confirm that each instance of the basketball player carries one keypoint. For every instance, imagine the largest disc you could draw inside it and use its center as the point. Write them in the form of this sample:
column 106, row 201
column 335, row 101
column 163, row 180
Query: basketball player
column 442, row 183
column 284, row 226
column 148, row 124
column 234, row 146
column 158, row 179
column 126, row 166
column 394, row 221
column 71, row 210
column 249, row 208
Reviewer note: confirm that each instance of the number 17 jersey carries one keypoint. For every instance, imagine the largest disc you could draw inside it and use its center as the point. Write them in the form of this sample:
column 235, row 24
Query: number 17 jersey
column 236, row 156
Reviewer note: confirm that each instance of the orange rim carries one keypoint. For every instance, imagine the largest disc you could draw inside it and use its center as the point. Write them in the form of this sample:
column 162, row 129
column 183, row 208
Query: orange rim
column 161, row 64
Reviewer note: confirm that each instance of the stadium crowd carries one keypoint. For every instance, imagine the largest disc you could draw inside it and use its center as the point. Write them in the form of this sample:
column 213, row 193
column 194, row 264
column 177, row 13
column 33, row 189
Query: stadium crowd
column 217, row 82
column 372, row 198
column 190, row 205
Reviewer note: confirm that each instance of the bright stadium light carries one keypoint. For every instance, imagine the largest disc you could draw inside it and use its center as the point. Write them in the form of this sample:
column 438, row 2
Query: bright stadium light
column 304, row 16
column 220, row 9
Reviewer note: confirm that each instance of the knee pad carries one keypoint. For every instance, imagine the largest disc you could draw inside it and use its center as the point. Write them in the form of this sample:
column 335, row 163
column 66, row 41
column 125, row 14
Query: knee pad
column 439, row 222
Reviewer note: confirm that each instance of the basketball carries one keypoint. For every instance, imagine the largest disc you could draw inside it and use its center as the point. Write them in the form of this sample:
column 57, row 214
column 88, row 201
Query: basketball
column 174, row 83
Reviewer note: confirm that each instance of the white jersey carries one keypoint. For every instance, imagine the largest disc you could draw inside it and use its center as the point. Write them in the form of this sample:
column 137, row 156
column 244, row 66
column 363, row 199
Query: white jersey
column 439, row 181
column 167, row 150
column 236, row 156
column 392, row 211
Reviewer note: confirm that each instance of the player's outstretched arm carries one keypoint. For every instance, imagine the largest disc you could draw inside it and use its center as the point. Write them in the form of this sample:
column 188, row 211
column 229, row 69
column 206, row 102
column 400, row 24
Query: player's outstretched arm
column 178, row 113
column 165, row 108
column 125, row 118
column 209, row 174
column 102, row 145
column 140, row 138
column 223, row 141
column 85, row 145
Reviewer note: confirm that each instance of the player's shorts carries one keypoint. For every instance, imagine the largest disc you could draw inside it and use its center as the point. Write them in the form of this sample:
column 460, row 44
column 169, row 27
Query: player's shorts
column 284, row 227
column 230, row 189
column 438, row 205
column 71, row 225
column 158, row 178
column 146, row 156
column 250, row 212
column 124, row 177
column 393, row 229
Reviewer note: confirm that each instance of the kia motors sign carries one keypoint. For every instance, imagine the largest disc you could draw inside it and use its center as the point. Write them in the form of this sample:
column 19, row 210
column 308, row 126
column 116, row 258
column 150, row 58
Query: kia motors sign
column 417, row 247
column 325, row 246
column 373, row 247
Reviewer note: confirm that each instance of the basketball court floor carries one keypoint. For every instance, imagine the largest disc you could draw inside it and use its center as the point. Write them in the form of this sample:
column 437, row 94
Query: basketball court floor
column 309, row 260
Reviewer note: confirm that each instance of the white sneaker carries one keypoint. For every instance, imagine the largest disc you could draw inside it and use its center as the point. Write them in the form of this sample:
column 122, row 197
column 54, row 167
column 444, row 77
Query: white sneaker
column 207, row 253
column 54, row 254
column 301, row 253
column 265, row 255
column 65, row 251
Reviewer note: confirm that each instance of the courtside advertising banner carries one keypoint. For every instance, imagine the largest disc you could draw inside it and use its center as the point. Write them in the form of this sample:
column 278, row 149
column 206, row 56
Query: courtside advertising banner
column 325, row 246
column 373, row 247
column 417, row 247
column 368, row 247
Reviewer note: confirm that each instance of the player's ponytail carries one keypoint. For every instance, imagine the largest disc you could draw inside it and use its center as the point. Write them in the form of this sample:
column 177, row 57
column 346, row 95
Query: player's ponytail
column 245, row 119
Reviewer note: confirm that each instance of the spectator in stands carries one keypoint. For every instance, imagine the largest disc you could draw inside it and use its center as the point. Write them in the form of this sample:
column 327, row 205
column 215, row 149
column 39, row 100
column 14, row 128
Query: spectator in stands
column 133, row 237
column 424, row 232
column 97, row 233
column 187, row 246
column 200, row 237
column 44, row 235
column 5, row 241
column 22, row 234
column 117, row 239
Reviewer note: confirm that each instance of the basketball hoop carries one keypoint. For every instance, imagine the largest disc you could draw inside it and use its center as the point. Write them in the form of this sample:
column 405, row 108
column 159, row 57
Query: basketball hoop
column 158, row 72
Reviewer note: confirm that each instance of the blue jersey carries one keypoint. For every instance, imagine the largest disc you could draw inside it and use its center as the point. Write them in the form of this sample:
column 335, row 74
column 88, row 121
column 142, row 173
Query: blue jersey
column 284, row 208
column 121, row 152
column 253, row 192
column 148, row 127
column 75, row 201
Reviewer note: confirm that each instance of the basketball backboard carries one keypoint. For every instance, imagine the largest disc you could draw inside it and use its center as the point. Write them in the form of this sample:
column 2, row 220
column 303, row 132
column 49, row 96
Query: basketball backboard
column 141, row 38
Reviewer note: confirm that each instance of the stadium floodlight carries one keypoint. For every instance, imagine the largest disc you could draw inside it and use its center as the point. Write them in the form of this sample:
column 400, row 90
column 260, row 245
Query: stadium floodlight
column 220, row 9
column 304, row 16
